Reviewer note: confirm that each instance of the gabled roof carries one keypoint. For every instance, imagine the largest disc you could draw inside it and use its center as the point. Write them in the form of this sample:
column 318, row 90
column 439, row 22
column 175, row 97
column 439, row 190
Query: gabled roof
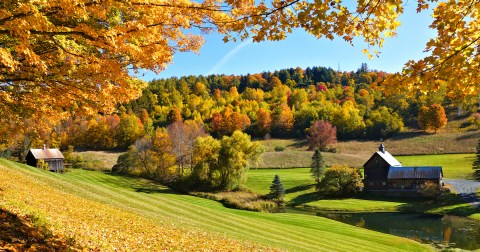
column 389, row 158
column 415, row 172
column 385, row 155
column 46, row 153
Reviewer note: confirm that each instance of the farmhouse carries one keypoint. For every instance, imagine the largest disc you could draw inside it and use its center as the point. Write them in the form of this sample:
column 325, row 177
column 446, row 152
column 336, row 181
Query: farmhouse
column 383, row 173
column 53, row 157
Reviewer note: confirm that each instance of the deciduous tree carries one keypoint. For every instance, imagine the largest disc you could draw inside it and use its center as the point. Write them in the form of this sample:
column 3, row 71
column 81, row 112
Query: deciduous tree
column 383, row 122
column 432, row 117
column 264, row 121
column 174, row 116
column 340, row 180
column 223, row 164
column 128, row 130
column 283, row 120
column 182, row 137
column 439, row 118
column 321, row 134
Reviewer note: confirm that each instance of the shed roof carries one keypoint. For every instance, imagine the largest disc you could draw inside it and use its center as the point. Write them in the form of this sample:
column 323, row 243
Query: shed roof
column 46, row 153
column 415, row 172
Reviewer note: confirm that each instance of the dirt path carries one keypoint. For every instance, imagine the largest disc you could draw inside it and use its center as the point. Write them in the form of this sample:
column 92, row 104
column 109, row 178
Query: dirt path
column 466, row 189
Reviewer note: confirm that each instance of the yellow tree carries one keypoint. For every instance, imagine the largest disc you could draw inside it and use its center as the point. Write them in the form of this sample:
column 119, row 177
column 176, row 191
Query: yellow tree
column 283, row 120
column 453, row 55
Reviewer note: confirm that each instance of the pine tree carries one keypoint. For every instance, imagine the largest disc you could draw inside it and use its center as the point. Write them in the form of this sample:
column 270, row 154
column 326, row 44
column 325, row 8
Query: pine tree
column 277, row 191
column 476, row 163
column 317, row 166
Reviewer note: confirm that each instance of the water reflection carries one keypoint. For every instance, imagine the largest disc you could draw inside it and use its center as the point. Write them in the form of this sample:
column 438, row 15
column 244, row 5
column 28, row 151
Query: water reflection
column 444, row 231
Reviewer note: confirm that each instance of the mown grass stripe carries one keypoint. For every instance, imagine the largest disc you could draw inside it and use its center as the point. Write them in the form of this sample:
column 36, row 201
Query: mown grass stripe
column 288, row 231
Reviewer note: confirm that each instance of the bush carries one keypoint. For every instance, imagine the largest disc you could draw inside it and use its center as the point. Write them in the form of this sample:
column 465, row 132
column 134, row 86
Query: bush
column 43, row 165
column 279, row 148
column 340, row 181
column 241, row 200
column 433, row 191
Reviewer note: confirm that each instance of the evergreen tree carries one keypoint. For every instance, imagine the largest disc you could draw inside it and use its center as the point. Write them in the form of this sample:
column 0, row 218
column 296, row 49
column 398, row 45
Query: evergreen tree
column 476, row 163
column 317, row 166
column 277, row 191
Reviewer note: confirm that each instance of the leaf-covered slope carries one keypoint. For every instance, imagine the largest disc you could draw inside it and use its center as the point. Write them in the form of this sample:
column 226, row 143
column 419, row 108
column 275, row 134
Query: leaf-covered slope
column 111, row 212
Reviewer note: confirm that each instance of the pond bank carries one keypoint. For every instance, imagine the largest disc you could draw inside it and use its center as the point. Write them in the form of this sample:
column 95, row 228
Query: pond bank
column 441, row 231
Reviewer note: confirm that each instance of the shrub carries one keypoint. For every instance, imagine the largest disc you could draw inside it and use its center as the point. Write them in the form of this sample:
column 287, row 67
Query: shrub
column 279, row 148
column 340, row 181
column 433, row 191
column 43, row 165
column 241, row 200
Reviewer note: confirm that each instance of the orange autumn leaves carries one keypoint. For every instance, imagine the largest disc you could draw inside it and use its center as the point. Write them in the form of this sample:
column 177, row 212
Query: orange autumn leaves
column 59, row 57
column 98, row 226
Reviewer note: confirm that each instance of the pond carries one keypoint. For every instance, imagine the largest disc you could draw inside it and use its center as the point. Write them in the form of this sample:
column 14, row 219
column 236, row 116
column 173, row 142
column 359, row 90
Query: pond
column 441, row 231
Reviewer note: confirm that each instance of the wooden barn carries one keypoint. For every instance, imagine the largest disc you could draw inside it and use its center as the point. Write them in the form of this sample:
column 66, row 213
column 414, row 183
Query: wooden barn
column 376, row 170
column 53, row 157
column 383, row 173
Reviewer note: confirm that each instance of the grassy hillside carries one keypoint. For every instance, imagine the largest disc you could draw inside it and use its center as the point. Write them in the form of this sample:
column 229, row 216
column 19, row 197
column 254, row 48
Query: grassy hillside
column 106, row 212
column 356, row 153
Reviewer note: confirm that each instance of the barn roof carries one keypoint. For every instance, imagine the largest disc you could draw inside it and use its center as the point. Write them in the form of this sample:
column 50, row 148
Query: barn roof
column 389, row 158
column 385, row 155
column 46, row 153
column 415, row 172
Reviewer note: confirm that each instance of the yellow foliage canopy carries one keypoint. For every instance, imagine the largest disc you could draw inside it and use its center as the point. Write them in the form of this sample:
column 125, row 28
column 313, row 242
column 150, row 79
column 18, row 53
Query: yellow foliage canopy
column 60, row 57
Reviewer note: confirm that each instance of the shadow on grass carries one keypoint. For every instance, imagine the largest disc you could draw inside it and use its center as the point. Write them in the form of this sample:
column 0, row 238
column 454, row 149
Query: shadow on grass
column 151, row 190
column 22, row 234
column 299, row 188
column 141, row 185
column 474, row 135
column 298, row 143
column 410, row 134
column 304, row 198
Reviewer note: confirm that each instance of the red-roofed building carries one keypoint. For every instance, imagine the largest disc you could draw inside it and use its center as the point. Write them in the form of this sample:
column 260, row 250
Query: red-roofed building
column 53, row 157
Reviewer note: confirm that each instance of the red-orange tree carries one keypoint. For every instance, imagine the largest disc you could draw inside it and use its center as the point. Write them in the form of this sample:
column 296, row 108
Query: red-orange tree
column 432, row 117
column 321, row 134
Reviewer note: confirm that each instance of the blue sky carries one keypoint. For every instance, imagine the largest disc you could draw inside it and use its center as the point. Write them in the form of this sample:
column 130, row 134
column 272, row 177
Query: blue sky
column 303, row 50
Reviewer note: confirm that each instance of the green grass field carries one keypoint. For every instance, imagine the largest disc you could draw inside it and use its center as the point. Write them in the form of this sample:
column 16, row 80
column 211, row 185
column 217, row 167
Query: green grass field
column 113, row 212
column 300, row 192
column 455, row 166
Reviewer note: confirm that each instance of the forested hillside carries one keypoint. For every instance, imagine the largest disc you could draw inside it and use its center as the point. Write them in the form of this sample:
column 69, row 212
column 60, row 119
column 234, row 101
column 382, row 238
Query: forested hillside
column 270, row 104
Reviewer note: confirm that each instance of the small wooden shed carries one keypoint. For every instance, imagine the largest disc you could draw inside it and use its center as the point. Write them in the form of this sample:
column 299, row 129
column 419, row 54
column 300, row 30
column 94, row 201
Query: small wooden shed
column 53, row 157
